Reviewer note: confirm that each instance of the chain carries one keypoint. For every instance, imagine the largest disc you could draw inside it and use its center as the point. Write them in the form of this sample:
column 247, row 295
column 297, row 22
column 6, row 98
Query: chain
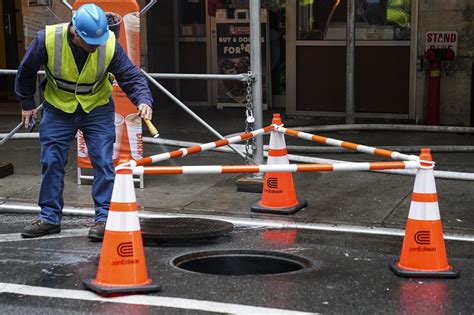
column 250, row 119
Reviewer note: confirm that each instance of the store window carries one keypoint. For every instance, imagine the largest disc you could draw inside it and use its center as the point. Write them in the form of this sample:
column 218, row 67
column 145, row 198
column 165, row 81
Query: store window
column 375, row 19
column 192, row 18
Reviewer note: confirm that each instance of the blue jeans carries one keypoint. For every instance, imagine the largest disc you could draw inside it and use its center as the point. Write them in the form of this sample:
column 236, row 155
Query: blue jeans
column 57, row 132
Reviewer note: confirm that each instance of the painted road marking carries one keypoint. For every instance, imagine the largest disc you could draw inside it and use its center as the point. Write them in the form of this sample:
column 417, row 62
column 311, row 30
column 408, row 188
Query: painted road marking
column 148, row 300
column 16, row 237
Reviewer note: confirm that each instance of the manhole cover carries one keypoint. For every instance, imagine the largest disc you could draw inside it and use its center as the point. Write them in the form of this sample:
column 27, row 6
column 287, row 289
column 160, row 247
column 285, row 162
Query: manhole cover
column 241, row 262
column 183, row 229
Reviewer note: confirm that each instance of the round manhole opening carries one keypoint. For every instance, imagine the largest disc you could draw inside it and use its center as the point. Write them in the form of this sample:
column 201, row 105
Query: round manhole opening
column 241, row 262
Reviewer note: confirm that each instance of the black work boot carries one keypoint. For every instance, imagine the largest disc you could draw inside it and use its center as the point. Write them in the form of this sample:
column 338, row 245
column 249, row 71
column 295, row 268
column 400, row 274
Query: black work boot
column 40, row 228
column 96, row 233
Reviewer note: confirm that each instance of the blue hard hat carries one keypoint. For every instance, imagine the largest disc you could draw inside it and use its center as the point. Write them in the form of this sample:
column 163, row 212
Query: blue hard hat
column 91, row 24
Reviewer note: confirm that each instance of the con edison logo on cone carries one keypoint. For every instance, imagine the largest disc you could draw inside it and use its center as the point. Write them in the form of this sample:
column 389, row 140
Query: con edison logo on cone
column 125, row 249
column 422, row 237
column 272, row 184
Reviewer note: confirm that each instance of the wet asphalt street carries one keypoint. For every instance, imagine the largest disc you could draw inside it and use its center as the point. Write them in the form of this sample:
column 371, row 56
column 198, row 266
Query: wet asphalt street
column 344, row 273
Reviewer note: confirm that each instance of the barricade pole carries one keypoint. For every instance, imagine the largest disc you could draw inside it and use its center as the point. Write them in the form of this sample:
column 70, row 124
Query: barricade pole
column 202, row 147
column 347, row 145
column 294, row 168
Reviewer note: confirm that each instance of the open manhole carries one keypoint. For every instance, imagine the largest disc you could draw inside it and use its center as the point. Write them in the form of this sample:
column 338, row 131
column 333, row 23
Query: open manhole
column 241, row 262
column 183, row 230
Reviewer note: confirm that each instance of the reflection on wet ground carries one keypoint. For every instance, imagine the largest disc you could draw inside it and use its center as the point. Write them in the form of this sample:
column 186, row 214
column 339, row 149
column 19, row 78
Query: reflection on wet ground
column 348, row 273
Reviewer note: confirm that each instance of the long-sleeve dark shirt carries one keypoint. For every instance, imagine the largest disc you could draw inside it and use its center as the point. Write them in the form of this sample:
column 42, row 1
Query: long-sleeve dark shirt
column 128, row 76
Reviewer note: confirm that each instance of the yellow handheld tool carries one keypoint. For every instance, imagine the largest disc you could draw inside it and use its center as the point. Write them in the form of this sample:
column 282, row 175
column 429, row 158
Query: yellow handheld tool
column 151, row 128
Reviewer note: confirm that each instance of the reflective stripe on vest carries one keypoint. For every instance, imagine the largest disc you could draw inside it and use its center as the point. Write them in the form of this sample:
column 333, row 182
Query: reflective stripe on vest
column 79, row 88
column 66, row 87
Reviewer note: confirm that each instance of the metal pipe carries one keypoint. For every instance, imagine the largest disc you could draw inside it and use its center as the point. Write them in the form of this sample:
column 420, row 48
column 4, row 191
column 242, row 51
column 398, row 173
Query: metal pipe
column 15, row 130
column 193, row 76
column 11, row 133
column 181, row 104
column 256, row 68
column 147, row 7
column 14, row 72
column 67, row 4
column 350, row 53
column 8, row 207
column 291, row 148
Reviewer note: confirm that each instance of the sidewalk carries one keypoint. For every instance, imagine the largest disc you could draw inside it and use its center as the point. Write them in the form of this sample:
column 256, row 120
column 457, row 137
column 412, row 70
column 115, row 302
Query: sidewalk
column 351, row 198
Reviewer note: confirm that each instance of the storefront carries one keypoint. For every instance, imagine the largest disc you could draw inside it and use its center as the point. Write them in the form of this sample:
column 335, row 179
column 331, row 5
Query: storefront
column 304, row 54
column 385, row 58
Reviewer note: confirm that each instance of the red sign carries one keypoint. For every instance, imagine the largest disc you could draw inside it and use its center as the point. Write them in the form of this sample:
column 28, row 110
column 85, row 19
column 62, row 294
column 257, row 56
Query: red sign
column 441, row 39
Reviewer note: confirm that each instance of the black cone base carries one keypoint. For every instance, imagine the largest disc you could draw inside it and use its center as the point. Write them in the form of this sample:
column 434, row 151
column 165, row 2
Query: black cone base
column 451, row 273
column 257, row 207
column 120, row 289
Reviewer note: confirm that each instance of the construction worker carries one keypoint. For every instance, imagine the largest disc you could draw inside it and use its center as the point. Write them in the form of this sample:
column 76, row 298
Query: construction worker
column 80, row 58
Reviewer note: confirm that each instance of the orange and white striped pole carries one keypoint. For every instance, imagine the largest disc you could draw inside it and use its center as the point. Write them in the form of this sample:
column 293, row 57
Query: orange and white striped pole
column 294, row 168
column 423, row 252
column 122, row 266
column 199, row 148
column 347, row 145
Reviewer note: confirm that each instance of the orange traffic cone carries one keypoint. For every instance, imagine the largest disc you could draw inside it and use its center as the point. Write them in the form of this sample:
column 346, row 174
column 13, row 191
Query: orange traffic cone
column 122, row 266
column 423, row 251
column 278, row 194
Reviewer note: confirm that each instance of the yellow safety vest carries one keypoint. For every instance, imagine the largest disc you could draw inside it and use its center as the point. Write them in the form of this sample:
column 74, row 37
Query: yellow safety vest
column 398, row 12
column 66, row 87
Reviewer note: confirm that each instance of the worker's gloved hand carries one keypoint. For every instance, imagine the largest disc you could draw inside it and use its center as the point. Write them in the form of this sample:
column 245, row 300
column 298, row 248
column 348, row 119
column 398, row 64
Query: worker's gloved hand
column 26, row 116
column 145, row 111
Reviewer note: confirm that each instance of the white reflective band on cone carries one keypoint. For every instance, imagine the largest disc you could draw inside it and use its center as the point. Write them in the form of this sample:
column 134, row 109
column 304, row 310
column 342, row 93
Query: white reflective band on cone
column 424, row 182
column 278, row 160
column 123, row 191
column 277, row 141
column 424, row 211
column 119, row 221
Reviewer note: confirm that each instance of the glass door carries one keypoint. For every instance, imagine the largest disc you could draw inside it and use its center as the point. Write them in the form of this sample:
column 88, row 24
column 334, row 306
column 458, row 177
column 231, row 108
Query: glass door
column 384, row 58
